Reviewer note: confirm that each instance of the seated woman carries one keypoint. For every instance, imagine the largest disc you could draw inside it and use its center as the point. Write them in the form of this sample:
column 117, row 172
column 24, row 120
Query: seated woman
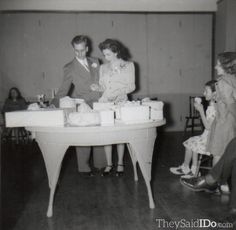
column 197, row 144
column 116, row 80
column 14, row 102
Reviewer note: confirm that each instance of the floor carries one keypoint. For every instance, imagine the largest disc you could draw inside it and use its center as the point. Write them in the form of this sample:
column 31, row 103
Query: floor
column 108, row 203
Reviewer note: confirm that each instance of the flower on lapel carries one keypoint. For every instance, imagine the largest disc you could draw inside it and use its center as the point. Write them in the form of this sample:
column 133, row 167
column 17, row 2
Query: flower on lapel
column 94, row 65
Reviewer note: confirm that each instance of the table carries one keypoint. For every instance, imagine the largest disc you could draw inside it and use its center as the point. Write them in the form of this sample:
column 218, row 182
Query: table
column 54, row 141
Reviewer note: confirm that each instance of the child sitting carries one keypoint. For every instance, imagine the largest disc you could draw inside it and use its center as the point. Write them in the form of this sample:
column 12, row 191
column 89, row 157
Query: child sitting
column 197, row 144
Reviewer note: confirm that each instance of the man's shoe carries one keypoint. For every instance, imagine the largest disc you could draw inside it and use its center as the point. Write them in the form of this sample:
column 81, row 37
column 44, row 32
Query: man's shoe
column 188, row 176
column 198, row 184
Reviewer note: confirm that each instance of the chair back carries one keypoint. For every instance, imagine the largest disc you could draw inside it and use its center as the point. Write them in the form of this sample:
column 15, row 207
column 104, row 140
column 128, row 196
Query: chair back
column 192, row 111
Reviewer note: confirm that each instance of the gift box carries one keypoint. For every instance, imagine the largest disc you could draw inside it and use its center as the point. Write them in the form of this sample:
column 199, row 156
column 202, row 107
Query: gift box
column 42, row 117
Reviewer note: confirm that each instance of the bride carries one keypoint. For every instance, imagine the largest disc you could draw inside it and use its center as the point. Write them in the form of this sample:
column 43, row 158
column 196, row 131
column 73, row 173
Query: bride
column 116, row 80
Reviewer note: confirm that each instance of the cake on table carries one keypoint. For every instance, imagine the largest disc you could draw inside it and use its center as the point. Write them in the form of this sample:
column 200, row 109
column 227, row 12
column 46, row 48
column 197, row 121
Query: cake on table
column 156, row 109
column 134, row 114
column 98, row 106
column 75, row 112
column 84, row 119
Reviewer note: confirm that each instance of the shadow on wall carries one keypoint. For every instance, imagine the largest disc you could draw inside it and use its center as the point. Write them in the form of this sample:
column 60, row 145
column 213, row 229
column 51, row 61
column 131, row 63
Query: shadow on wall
column 137, row 77
column 168, row 113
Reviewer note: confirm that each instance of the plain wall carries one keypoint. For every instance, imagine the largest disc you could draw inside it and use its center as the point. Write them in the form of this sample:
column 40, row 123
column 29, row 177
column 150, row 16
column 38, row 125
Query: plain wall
column 226, row 26
column 172, row 52
column 111, row 5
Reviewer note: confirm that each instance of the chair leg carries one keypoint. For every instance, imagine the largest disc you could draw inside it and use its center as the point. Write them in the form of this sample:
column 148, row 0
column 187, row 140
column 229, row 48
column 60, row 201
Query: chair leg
column 186, row 126
column 192, row 127
column 198, row 165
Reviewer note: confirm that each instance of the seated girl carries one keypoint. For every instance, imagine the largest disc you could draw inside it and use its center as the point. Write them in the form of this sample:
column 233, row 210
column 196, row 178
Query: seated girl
column 197, row 144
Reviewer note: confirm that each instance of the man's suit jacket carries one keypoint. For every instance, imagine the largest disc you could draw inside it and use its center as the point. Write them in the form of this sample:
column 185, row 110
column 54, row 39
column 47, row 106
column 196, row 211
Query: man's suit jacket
column 77, row 80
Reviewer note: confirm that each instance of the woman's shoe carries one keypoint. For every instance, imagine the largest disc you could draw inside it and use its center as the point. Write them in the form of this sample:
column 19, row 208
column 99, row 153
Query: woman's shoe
column 107, row 171
column 120, row 172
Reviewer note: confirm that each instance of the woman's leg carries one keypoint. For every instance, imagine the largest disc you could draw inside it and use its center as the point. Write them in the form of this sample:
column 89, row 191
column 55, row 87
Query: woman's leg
column 184, row 168
column 194, row 162
column 120, row 152
column 108, row 152
column 188, row 157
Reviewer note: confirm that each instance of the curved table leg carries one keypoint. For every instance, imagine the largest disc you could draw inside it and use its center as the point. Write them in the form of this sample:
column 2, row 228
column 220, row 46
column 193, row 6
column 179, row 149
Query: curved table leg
column 134, row 161
column 143, row 150
column 53, row 155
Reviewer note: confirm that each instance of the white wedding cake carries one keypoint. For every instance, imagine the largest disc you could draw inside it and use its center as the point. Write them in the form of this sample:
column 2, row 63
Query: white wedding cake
column 98, row 106
column 68, row 102
column 156, row 109
column 134, row 114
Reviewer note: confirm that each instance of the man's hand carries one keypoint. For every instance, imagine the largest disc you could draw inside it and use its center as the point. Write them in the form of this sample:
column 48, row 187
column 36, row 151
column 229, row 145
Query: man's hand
column 95, row 87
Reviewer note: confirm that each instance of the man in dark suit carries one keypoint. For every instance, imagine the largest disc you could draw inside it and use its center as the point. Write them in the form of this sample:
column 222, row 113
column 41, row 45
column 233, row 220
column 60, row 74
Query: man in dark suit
column 79, row 75
column 224, row 169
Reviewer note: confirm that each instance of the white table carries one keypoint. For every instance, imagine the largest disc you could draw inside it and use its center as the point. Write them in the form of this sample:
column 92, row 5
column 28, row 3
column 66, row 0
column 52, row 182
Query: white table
column 54, row 141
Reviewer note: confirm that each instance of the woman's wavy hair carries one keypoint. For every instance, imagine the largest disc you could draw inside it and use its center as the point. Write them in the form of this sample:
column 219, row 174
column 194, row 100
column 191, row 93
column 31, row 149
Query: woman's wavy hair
column 116, row 47
column 228, row 62
column 19, row 96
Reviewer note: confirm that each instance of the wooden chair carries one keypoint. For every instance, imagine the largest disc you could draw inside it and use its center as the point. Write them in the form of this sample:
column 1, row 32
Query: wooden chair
column 193, row 120
column 15, row 135
column 203, row 159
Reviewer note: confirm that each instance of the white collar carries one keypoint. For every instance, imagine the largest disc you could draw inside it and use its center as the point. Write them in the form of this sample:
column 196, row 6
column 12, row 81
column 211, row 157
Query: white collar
column 84, row 63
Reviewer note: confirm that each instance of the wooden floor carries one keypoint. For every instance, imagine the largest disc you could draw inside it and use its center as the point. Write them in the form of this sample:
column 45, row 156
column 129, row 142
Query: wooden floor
column 97, row 202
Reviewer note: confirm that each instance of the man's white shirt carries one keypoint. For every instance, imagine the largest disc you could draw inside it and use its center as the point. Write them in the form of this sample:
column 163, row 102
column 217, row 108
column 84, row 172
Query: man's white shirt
column 84, row 63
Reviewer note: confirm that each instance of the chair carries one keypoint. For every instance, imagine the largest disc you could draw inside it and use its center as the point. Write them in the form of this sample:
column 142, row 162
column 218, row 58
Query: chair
column 16, row 135
column 203, row 158
column 193, row 120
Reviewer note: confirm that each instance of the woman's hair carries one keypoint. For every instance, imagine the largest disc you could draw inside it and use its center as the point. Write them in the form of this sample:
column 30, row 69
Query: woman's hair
column 212, row 85
column 228, row 62
column 116, row 47
column 19, row 96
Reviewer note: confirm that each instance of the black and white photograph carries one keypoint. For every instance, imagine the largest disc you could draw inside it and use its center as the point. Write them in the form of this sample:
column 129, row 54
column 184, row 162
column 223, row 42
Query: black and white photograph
column 117, row 114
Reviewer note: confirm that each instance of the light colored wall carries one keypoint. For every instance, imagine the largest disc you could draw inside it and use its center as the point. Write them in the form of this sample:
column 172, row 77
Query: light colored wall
column 226, row 26
column 111, row 5
column 231, row 26
column 172, row 52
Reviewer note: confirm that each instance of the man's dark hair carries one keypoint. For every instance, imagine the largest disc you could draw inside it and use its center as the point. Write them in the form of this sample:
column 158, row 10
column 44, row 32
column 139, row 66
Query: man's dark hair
column 80, row 39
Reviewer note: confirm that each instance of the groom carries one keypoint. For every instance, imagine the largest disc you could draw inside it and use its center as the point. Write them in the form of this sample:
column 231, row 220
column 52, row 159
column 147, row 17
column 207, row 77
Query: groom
column 79, row 74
